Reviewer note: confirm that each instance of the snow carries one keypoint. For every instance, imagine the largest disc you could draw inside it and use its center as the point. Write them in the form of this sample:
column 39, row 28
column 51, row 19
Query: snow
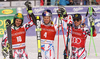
column 31, row 47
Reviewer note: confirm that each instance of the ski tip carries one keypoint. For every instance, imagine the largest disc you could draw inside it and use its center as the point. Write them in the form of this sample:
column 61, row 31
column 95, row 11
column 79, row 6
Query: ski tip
column 37, row 17
column 70, row 19
column 96, row 54
column 4, row 58
column 8, row 21
column 88, row 54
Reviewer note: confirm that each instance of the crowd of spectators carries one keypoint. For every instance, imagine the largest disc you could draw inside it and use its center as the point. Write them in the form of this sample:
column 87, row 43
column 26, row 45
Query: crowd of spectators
column 70, row 2
column 64, row 2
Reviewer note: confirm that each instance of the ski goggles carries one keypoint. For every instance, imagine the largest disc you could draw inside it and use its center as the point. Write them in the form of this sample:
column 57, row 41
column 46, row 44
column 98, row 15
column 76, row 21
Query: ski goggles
column 76, row 20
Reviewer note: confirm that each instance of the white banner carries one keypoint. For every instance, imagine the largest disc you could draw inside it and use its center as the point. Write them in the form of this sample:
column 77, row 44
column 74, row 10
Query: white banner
column 4, row 4
column 21, row 3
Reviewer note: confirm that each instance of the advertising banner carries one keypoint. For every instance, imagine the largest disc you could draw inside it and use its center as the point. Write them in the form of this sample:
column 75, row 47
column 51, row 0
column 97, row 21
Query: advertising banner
column 38, row 12
column 5, row 12
column 70, row 10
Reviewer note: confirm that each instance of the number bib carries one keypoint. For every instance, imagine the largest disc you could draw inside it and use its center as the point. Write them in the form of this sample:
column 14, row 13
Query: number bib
column 48, row 32
column 18, row 38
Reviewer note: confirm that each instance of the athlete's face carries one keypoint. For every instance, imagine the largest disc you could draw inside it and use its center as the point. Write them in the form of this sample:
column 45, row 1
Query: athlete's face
column 77, row 23
column 18, row 22
column 46, row 19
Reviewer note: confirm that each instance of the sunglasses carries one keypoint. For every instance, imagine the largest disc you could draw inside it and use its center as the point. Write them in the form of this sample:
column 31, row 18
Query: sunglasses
column 76, row 20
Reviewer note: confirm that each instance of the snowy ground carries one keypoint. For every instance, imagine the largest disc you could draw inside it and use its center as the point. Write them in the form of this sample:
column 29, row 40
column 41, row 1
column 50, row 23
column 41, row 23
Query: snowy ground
column 31, row 47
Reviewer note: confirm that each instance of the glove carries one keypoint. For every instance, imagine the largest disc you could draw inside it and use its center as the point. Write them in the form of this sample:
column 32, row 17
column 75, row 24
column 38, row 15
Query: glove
column 5, row 51
column 92, row 23
column 29, row 8
column 91, row 19
column 62, row 11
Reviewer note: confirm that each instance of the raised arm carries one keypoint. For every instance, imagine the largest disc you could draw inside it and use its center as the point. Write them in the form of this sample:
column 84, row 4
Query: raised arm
column 30, row 12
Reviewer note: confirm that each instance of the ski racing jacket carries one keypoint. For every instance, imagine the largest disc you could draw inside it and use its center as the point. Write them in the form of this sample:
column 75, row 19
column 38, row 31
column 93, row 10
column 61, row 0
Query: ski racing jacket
column 48, row 32
column 79, row 36
column 18, row 36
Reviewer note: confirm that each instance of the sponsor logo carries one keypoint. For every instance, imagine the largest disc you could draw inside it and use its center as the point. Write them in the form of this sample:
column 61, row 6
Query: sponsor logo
column 7, row 11
column 51, row 30
column 18, row 33
column 37, row 10
column 55, row 10
column 77, row 9
column 96, row 9
column 76, row 33
column 76, row 40
column 38, row 32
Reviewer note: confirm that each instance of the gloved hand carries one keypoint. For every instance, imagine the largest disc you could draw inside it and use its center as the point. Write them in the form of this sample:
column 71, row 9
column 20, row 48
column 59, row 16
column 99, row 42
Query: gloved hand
column 28, row 6
column 62, row 11
column 92, row 23
column 5, row 51
column 91, row 19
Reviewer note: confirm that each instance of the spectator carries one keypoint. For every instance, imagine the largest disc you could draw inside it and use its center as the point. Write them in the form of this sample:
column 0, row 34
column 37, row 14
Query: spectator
column 41, row 2
column 53, row 2
column 48, row 2
column 71, row 2
column 45, row 2
column 79, row 2
column 76, row 2
column 94, row 2
column 64, row 2
column 86, row 2
column 98, row 1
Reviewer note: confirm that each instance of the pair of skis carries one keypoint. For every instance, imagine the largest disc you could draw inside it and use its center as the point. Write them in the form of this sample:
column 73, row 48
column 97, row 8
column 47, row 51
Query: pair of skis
column 67, row 51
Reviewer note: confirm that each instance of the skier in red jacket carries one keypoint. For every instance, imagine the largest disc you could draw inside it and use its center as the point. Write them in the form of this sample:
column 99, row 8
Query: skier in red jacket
column 79, row 35
column 18, row 33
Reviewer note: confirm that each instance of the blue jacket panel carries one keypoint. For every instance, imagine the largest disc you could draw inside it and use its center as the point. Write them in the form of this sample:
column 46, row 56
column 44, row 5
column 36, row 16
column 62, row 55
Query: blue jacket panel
column 63, row 2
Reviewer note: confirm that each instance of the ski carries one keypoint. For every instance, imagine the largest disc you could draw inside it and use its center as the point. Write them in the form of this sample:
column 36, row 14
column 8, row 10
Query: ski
column 67, row 51
column 8, row 26
column 60, row 15
column 38, row 31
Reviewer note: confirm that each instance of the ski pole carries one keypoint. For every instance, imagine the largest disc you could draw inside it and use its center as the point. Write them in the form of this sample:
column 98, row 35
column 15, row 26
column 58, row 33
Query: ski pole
column 58, row 42
column 91, row 10
column 93, row 42
column 4, row 57
column 89, row 46
column 63, row 37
